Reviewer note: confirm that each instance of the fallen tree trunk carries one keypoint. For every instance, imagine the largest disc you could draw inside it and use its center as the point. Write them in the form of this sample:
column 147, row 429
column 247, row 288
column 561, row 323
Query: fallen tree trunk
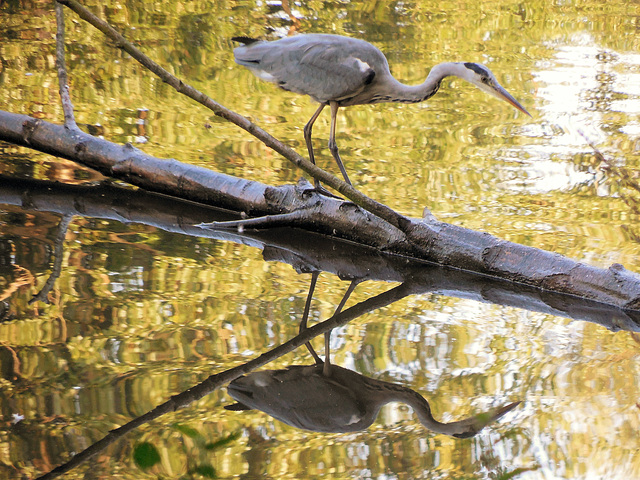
column 306, row 252
column 300, row 206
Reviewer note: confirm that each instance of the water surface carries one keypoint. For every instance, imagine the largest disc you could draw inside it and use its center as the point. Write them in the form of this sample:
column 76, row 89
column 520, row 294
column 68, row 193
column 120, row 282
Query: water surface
column 141, row 312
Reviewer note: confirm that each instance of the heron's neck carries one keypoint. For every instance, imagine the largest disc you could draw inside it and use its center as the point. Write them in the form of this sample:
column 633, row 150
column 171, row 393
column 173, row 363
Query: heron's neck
column 419, row 93
column 421, row 408
column 384, row 392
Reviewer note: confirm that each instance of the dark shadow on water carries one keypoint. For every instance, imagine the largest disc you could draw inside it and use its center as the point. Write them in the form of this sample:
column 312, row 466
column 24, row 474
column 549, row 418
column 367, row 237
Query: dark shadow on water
column 305, row 252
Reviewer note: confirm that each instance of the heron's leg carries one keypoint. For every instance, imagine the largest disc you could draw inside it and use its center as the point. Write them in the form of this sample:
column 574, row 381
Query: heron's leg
column 307, row 137
column 326, row 370
column 333, row 148
column 305, row 316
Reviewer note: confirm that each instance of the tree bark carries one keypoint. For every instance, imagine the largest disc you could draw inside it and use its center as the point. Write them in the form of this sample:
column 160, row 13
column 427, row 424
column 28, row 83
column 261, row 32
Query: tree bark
column 299, row 206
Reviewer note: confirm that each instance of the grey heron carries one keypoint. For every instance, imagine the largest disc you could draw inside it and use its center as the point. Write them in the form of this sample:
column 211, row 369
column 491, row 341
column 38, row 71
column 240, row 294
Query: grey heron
column 341, row 71
column 305, row 396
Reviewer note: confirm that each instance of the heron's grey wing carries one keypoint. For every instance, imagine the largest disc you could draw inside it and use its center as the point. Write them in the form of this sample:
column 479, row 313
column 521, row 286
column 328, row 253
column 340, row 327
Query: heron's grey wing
column 300, row 396
column 321, row 67
column 327, row 72
column 318, row 404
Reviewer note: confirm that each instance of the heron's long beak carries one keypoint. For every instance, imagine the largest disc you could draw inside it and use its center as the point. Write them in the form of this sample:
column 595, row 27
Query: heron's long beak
column 502, row 94
column 469, row 426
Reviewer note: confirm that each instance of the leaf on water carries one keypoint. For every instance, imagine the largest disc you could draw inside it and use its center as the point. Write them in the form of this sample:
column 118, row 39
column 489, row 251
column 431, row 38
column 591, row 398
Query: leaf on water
column 223, row 442
column 145, row 455
column 187, row 430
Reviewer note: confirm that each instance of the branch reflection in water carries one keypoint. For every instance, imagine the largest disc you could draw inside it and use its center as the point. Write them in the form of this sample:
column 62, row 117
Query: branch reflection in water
column 328, row 398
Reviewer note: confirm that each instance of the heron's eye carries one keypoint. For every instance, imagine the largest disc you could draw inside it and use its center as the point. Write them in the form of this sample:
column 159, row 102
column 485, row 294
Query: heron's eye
column 485, row 80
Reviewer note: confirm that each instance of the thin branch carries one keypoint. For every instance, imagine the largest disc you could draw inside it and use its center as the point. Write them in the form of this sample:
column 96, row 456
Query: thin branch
column 63, row 81
column 621, row 172
column 266, row 221
column 295, row 21
column 58, row 252
column 378, row 209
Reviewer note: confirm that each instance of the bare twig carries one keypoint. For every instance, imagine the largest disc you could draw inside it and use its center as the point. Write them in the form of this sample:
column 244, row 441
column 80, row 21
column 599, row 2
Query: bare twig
column 266, row 221
column 43, row 294
column 621, row 172
column 378, row 209
column 295, row 21
column 63, row 81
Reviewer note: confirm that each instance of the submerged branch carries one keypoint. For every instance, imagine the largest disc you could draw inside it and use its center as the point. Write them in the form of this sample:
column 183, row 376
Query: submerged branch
column 305, row 251
column 58, row 253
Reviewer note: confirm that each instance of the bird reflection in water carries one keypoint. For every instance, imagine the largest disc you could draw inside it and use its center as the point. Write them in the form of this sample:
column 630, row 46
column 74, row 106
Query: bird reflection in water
column 328, row 398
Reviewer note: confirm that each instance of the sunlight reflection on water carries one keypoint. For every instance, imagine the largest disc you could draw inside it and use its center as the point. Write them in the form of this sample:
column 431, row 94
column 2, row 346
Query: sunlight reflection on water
column 136, row 319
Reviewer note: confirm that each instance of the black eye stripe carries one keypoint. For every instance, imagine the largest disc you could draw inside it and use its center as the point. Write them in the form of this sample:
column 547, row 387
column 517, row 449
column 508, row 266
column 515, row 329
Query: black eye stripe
column 484, row 75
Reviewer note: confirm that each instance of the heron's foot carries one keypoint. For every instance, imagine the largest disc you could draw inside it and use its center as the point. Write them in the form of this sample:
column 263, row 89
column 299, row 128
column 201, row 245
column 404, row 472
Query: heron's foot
column 323, row 191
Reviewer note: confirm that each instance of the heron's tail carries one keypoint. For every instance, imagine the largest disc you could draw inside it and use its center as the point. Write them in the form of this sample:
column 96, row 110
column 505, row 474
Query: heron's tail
column 244, row 40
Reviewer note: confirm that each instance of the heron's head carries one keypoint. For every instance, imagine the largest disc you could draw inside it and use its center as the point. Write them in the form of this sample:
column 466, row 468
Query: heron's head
column 485, row 80
column 464, row 428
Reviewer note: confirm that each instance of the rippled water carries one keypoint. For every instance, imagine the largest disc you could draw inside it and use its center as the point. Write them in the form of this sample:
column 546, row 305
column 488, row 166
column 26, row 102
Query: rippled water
column 143, row 310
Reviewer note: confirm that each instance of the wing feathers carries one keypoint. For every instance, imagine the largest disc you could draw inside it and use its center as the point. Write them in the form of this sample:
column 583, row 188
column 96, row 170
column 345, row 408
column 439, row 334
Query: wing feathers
column 326, row 67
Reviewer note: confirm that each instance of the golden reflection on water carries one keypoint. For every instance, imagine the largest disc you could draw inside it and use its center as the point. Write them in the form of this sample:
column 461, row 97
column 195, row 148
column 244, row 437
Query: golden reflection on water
column 139, row 314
